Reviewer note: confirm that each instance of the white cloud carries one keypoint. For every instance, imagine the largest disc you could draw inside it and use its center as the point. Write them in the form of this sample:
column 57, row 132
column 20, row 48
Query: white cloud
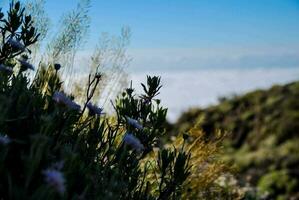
column 184, row 89
column 196, row 58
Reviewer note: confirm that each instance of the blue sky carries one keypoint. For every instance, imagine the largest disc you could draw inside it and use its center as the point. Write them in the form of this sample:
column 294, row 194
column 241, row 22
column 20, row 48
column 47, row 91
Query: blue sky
column 193, row 23
column 195, row 33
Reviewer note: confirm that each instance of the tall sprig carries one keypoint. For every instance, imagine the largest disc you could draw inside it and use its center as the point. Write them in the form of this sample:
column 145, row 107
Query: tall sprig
column 70, row 38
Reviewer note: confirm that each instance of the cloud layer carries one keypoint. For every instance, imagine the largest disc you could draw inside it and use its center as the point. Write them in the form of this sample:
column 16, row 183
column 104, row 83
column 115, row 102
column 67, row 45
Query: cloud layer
column 184, row 89
column 198, row 58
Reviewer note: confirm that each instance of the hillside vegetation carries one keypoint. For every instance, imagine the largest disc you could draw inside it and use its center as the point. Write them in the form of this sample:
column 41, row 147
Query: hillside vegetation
column 262, row 137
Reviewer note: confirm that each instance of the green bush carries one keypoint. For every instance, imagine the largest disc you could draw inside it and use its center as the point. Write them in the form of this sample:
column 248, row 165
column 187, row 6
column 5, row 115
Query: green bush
column 262, row 136
column 53, row 148
column 274, row 183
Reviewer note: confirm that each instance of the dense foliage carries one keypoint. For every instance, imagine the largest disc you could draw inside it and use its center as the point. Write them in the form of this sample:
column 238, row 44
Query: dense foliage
column 51, row 148
column 262, row 129
column 55, row 145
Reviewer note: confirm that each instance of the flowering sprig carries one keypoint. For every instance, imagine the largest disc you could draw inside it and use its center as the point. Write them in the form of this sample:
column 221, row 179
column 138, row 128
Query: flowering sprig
column 4, row 140
column 25, row 65
column 17, row 31
column 134, row 142
column 94, row 110
column 134, row 123
column 61, row 98
column 93, row 82
column 55, row 179
column 6, row 69
column 16, row 44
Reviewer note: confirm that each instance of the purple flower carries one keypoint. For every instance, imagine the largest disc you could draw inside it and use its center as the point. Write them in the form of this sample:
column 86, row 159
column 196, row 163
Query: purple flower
column 16, row 44
column 6, row 69
column 61, row 98
column 134, row 142
column 55, row 179
column 25, row 65
column 94, row 110
column 4, row 140
column 134, row 123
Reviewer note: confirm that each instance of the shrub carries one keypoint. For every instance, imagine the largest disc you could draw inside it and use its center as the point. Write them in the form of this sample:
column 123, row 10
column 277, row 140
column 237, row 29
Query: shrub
column 51, row 148
column 274, row 183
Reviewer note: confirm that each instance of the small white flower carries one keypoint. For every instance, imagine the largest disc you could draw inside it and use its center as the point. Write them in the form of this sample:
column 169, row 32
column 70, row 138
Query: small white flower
column 16, row 44
column 134, row 123
column 5, row 68
column 94, row 110
column 55, row 179
column 61, row 98
column 134, row 142
column 26, row 65
column 4, row 140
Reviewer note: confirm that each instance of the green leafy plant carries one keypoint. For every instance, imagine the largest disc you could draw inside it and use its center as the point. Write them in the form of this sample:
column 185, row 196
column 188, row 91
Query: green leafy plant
column 53, row 148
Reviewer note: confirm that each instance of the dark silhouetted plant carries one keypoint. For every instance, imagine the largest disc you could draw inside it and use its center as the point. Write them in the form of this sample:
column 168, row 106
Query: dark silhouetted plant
column 52, row 148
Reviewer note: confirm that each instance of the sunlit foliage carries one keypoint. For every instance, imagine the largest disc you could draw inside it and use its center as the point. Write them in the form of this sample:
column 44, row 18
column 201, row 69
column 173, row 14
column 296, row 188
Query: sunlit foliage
column 262, row 138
